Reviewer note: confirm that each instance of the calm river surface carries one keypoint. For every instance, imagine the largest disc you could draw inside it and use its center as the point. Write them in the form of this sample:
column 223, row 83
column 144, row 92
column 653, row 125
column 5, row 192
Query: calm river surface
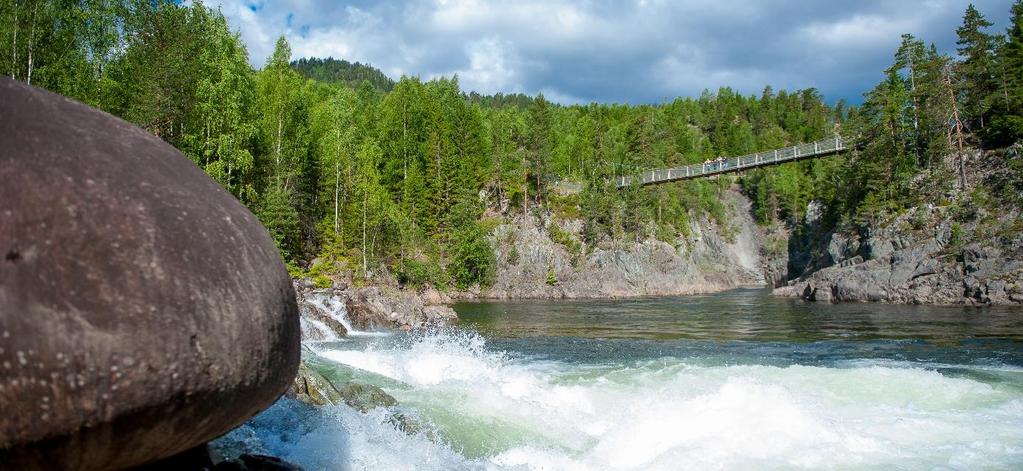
column 736, row 380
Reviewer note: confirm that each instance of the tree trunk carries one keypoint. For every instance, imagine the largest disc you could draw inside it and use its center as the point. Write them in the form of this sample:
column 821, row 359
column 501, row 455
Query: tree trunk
column 365, row 263
column 337, row 181
column 280, row 132
column 31, row 45
column 14, row 45
column 525, row 193
column 955, row 133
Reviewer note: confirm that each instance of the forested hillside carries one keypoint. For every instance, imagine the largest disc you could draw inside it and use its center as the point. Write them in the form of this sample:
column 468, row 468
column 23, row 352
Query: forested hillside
column 331, row 70
column 359, row 174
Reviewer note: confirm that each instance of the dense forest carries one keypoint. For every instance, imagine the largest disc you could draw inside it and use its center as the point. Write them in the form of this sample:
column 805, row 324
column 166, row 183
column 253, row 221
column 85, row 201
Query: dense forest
column 354, row 173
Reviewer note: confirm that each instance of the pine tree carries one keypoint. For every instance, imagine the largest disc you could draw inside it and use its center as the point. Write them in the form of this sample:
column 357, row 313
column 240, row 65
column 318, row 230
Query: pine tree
column 1007, row 119
column 538, row 147
column 910, row 58
column 976, row 67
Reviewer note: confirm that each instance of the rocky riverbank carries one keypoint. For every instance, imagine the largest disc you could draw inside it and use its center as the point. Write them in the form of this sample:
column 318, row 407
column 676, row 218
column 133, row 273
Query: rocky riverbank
column 533, row 264
column 330, row 313
column 965, row 250
column 968, row 251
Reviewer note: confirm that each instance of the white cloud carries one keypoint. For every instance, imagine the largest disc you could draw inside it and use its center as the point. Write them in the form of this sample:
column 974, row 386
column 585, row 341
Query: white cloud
column 491, row 68
column 642, row 51
column 859, row 30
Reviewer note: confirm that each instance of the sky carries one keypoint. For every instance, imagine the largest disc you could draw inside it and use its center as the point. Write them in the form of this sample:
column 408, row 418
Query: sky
column 643, row 51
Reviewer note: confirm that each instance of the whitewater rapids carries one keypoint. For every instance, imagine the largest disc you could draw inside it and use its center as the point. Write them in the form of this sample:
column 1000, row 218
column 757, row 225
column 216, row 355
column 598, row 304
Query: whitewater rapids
column 485, row 408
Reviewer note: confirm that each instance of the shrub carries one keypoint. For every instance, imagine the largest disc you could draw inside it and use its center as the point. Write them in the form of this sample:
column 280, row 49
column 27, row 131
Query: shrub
column 552, row 278
column 419, row 273
column 474, row 261
column 955, row 238
column 563, row 237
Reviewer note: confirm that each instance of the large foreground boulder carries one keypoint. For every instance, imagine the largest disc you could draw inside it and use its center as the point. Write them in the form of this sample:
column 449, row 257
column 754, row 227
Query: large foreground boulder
column 143, row 309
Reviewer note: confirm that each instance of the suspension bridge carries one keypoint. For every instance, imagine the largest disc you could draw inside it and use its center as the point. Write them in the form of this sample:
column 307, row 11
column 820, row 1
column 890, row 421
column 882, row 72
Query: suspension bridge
column 812, row 150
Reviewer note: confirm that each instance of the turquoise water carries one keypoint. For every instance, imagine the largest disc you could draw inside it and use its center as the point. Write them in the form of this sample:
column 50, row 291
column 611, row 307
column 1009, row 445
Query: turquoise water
column 736, row 380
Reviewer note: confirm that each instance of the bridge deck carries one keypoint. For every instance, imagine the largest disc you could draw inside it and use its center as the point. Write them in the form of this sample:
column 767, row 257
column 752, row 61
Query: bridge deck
column 734, row 164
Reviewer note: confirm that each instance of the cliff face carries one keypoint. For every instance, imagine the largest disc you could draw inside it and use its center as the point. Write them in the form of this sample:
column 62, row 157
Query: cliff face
column 898, row 264
column 532, row 265
column 969, row 251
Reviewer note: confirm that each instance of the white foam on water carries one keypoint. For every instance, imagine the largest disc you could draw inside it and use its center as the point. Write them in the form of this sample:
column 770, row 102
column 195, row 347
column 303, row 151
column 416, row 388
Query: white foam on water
column 322, row 332
column 336, row 309
column 338, row 437
column 502, row 412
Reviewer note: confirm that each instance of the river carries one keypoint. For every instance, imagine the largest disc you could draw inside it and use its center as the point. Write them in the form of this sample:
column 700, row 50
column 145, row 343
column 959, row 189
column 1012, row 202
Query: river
column 734, row 380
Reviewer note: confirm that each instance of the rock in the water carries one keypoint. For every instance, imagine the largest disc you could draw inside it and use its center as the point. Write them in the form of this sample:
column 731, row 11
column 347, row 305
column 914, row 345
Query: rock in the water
column 143, row 309
column 364, row 397
column 317, row 324
column 256, row 463
column 373, row 307
column 311, row 387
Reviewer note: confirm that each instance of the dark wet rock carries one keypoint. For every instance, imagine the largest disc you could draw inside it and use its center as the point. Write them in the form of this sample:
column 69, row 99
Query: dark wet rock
column 143, row 309
column 198, row 458
column 313, row 388
column 247, row 462
column 364, row 397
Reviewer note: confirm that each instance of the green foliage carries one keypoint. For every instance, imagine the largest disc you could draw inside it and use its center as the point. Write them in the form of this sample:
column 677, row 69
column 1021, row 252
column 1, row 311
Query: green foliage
column 421, row 274
column 513, row 256
column 1006, row 101
column 279, row 216
column 552, row 278
column 977, row 68
column 955, row 239
column 331, row 70
column 474, row 262
column 563, row 237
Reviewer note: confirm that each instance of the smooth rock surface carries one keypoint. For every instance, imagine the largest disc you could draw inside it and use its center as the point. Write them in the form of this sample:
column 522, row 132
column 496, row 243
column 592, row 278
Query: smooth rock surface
column 143, row 309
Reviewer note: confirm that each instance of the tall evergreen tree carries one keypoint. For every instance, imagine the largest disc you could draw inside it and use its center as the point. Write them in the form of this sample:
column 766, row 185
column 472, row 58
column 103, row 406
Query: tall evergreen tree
column 1007, row 104
column 975, row 48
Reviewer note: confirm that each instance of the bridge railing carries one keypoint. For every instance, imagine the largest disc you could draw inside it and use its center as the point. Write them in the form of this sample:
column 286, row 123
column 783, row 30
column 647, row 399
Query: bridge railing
column 811, row 149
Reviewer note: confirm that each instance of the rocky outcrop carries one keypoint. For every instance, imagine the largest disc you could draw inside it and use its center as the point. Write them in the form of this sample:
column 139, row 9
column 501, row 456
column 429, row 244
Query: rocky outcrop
column 326, row 311
column 532, row 265
column 896, row 264
column 322, row 317
column 388, row 307
column 364, row 397
column 958, row 248
column 143, row 309
column 311, row 387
